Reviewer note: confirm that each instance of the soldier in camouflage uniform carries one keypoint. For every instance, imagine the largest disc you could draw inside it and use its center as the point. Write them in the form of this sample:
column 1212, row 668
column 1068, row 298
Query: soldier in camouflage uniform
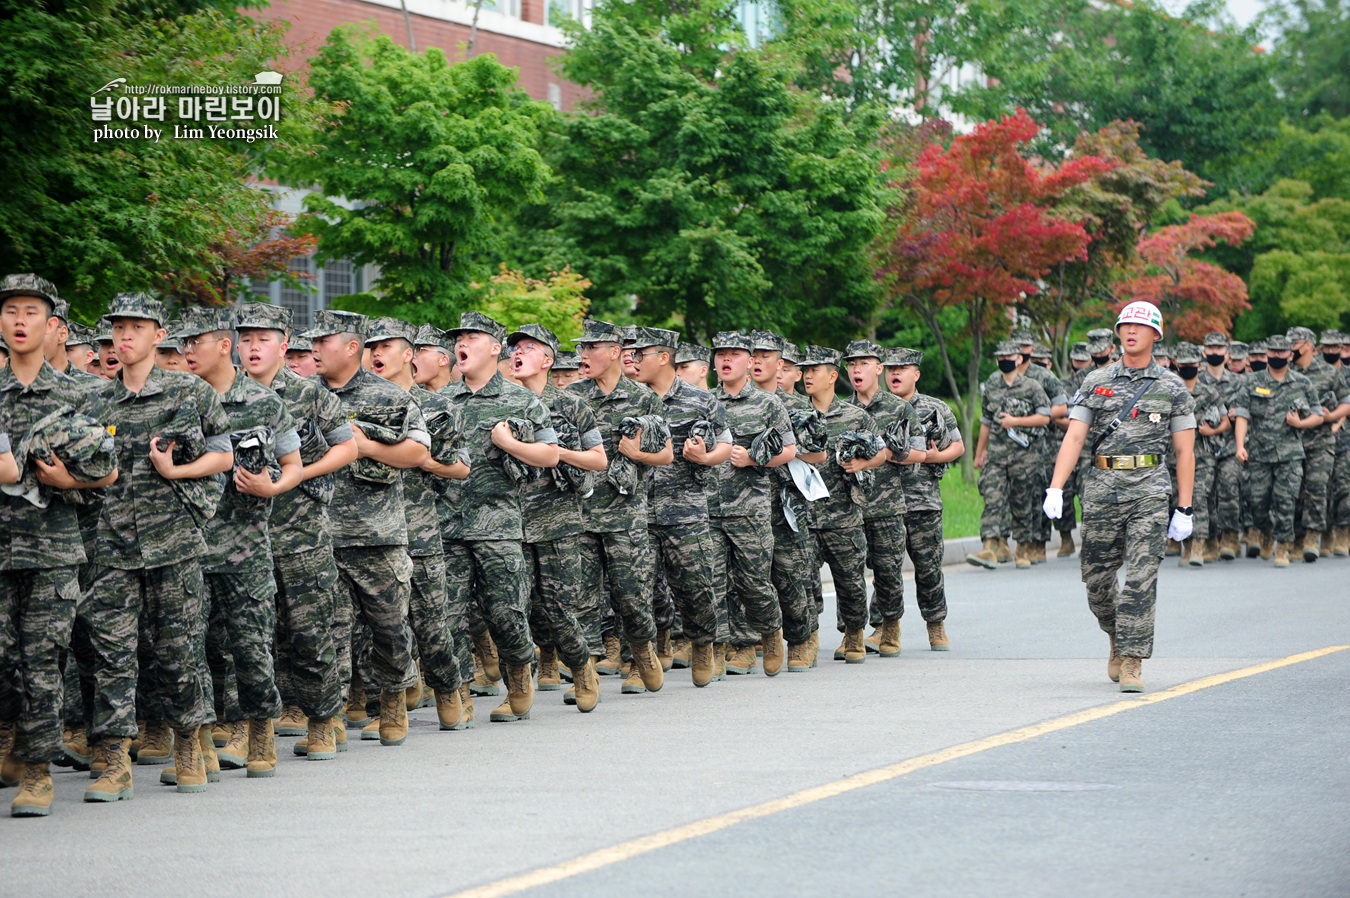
column 1336, row 352
column 679, row 521
column 743, row 530
column 487, row 560
column 147, row 587
column 1225, row 495
column 391, row 343
column 1211, row 417
column 80, row 348
column 1011, row 472
column 884, row 515
column 169, row 354
column 431, row 363
column 367, row 518
column 1319, row 443
column 566, row 370
column 923, row 490
column 42, row 546
column 691, row 364
column 1272, row 407
column 300, row 356
column 1048, row 437
column 616, row 550
column 551, row 507
column 303, row 568
column 837, row 521
column 108, row 362
column 1126, row 414
column 237, row 566
column 1237, row 357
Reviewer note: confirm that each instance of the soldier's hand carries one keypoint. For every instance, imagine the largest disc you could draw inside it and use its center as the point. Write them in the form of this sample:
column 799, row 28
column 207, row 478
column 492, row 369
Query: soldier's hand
column 1242, row 454
column 1053, row 506
column 1003, row 419
column 162, row 459
column 852, row 466
column 695, row 451
column 631, row 447
column 1292, row 418
column 260, row 485
column 980, row 458
column 55, row 474
column 502, row 437
column 740, row 458
column 362, row 441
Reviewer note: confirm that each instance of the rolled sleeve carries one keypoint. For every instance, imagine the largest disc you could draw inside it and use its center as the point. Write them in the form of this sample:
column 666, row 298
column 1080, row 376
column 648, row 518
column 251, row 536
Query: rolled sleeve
column 286, row 443
column 591, row 438
column 546, row 435
column 340, row 434
column 724, row 436
column 918, row 443
column 4, row 444
column 1242, row 412
column 1044, row 410
column 1182, row 422
column 420, row 436
column 219, row 443
column 1059, row 399
column 1081, row 413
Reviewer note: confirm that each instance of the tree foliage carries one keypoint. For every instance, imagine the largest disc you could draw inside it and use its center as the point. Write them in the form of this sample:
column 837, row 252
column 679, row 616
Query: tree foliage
column 261, row 249
column 1312, row 53
column 557, row 301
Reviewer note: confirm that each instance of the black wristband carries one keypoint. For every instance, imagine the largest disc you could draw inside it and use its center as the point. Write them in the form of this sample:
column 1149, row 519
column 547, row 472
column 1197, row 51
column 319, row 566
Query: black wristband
column 1185, row 509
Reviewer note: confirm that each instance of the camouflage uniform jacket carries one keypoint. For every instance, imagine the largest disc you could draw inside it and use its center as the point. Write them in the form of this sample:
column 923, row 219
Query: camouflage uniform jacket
column 1330, row 387
column 1225, row 444
column 144, row 524
column 237, row 538
column 450, row 493
column 299, row 522
column 365, row 513
column 83, row 378
column 607, row 510
column 744, row 492
column 1166, row 407
column 923, row 483
column 1210, row 409
column 422, row 489
column 490, row 500
column 551, row 513
column 676, row 497
column 838, row 511
column 1052, row 385
column 1022, row 397
column 886, row 497
column 1264, row 401
column 32, row 537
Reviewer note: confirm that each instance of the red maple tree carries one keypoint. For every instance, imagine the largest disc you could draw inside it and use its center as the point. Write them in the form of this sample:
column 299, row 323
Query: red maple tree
column 1195, row 297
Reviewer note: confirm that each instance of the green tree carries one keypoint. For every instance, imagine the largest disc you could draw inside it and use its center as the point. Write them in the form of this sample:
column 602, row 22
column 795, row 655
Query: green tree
column 558, row 301
column 1312, row 54
column 426, row 153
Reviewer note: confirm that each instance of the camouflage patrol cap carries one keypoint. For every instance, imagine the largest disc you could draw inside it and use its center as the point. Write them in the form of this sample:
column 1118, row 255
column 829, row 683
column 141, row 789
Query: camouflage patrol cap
column 566, row 360
column 899, row 356
column 504, row 354
column 1278, row 343
column 1007, row 347
column 430, row 335
column 299, row 343
column 1186, row 354
column 136, row 305
column 627, row 334
column 863, row 349
column 1100, row 340
column 538, row 333
column 79, row 335
column 262, row 316
column 477, row 322
column 1333, row 338
column 1238, row 350
column 1079, row 352
column 61, row 309
column 387, row 328
column 29, row 285
column 791, row 353
column 1161, row 351
column 691, row 352
column 653, row 336
column 732, row 340
column 1295, row 334
column 1022, row 337
column 334, row 321
column 1257, row 347
column 593, row 330
column 170, row 343
column 1214, row 338
column 103, row 332
column 1041, row 351
column 819, row 355
column 767, row 340
column 203, row 320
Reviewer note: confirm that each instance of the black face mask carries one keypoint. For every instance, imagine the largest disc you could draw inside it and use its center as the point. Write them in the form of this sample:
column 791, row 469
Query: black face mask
column 1276, row 363
column 1299, row 353
column 1026, row 357
column 1331, row 358
column 1007, row 366
column 1256, row 365
column 1215, row 360
column 1044, row 363
column 1100, row 360
column 1188, row 371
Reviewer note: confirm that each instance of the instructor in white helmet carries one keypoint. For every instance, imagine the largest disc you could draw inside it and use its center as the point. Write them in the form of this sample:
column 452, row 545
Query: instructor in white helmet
column 1126, row 412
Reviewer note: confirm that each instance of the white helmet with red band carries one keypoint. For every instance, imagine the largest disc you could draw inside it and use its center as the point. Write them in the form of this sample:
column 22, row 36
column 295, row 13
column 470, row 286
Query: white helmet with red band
column 1141, row 312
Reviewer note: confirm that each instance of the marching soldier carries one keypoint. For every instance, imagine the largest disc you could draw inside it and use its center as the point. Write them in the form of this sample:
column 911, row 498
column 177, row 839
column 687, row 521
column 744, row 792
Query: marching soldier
column 1319, row 443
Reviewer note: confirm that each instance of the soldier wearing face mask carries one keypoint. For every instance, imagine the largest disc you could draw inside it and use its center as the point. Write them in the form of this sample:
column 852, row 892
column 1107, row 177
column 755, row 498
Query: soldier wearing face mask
column 1237, row 357
column 1212, row 425
column 1225, row 495
column 1319, row 443
column 1336, row 352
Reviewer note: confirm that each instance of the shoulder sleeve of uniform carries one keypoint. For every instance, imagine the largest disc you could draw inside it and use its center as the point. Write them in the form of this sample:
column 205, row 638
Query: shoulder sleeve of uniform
column 4, row 444
column 779, row 421
column 537, row 413
column 417, row 423
column 1183, row 405
column 215, row 423
column 949, row 421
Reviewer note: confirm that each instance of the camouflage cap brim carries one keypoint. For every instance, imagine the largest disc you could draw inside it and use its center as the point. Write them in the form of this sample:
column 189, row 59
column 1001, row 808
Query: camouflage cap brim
column 732, row 340
column 644, row 337
column 262, row 316
column 387, row 328
column 1007, row 347
column 863, row 349
column 30, row 285
column 477, row 322
column 566, row 361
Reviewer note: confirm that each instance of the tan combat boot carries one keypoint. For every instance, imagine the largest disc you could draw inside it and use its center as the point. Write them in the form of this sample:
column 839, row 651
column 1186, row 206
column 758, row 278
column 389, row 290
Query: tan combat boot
column 9, row 774
column 412, row 696
column 890, row 639
column 1253, row 540
column 356, row 713
column 702, row 665
column 292, row 722
column 1173, row 547
column 233, row 754
column 1267, row 545
column 682, row 653
column 742, row 661
column 854, row 653
column 205, row 738
column 1228, row 545
column 450, row 710
column 1281, row 554
column 98, row 759
column 1002, row 553
column 815, row 648
column 772, row 644
column 1199, row 548
column 549, row 678
column 937, row 636
column 1113, row 662
column 77, row 749
column 1038, row 552
column 987, row 557
column 371, row 731
column 646, row 666
column 519, row 696
column 262, row 748
column 321, row 741
column 156, row 743
column 114, row 782
column 393, row 727
column 1340, row 545
column 1022, row 557
column 799, row 657
column 1185, row 558
column 466, row 699
column 487, row 652
column 35, row 792
column 1312, row 540
column 586, row 687
column 720, row 661
column 873, row 641
column 189, row 762
column 665, row 652
column 843, row 645
column 612, row 662
column 220, row 734
column 481, row 684
column 339, row 732
column 11, row 770
column 1131, row 669
column 1066, row 546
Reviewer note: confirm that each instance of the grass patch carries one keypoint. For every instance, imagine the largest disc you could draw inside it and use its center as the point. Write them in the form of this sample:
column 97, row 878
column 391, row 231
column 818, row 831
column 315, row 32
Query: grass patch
column 961, row 505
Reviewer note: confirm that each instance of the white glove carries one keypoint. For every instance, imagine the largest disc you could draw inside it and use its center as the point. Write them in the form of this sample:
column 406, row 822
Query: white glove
column 1181, row 526
column 1053, row 504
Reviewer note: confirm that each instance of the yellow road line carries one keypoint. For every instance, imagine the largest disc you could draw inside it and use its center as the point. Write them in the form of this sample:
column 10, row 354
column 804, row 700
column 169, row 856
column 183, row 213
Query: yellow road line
column 631, row 849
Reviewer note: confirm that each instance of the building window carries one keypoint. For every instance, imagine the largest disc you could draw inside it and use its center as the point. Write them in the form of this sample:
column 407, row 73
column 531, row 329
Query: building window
column 300, row 298
column 558, row 10
column 338, row 280
column 505, row 7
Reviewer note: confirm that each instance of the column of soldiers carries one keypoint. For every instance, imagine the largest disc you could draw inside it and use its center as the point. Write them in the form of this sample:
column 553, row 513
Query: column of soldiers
column 233, row 532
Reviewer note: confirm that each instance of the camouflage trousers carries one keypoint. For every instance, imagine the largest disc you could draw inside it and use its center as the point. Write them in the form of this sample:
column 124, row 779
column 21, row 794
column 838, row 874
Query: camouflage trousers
column 1272, row 493
column 1201, row 491
column 793, row 572
column 1311, row 511
column 622, row 565
column 685, row 552
column 845, row 551
column 745, row 545
column 1338, row 512
column 553, row 570
column 37, row 610
column 1225, row 497
column 306, row 657
column 664, row 613
column 1132, row 535
column 163, row 608
column 925, row 545
column 886, row 558
column 375, row 582
column 242, row 625
column 429, row 618
column 492, row 574
column 1012, row 491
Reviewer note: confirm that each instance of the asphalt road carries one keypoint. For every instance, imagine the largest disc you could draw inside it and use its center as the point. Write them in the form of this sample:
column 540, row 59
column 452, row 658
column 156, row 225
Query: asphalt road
column 1237, row 789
